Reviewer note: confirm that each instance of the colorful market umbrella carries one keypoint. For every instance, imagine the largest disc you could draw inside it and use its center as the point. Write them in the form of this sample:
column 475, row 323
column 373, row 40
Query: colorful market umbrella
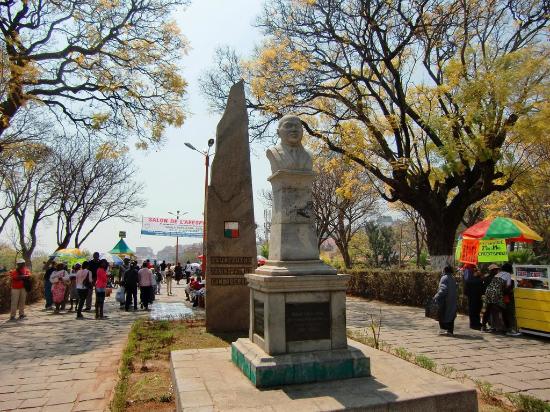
column 70, row 256
column 501, row 228
column 112, row 259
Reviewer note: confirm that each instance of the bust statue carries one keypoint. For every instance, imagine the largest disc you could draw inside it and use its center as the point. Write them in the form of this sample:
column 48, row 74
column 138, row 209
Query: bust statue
column 289, row 154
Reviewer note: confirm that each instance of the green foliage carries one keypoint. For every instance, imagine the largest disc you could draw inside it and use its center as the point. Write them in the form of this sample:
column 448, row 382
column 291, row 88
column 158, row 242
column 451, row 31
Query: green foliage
column 264, row 250
column 425, row 362
column 423, row 259
column 522, row 256
column 8, row 256
column 381, row 241
column 403, row 353
column 404, row 287
column 528, row 403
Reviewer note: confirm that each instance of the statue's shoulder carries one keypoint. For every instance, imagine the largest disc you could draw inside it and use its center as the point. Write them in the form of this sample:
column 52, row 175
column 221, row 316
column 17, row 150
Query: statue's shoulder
column 274, row 151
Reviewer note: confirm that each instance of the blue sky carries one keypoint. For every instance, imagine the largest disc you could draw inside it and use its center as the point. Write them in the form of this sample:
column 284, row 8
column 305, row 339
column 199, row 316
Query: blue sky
column 174, row 175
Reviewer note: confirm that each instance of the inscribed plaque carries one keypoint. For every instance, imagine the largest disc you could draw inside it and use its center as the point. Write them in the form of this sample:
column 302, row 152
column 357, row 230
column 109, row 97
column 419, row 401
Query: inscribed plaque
column 307, row 321
column 259, row 318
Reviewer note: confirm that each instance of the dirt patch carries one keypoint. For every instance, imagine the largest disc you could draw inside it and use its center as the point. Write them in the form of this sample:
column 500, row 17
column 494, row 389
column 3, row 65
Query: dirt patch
column 151, row 406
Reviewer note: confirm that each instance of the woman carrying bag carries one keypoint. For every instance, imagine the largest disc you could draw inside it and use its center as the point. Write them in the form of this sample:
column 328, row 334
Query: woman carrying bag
column 446, row 297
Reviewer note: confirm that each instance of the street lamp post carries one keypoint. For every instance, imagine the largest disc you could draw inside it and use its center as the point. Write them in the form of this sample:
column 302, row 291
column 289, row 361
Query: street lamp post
column 206, row 155
column 177, row 214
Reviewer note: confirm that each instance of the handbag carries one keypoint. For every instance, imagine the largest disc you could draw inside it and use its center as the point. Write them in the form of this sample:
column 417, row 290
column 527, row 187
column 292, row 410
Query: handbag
column 27, row 283
column 120, row 297
column 432, row 309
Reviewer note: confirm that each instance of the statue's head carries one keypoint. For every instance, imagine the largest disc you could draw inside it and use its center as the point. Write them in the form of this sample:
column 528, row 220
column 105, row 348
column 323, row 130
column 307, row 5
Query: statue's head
column 290, row 130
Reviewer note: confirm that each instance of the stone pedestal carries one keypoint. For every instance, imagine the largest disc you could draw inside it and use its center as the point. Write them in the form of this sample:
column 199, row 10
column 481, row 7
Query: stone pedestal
column 297, row 329
column 297, row 305
column 302, row 313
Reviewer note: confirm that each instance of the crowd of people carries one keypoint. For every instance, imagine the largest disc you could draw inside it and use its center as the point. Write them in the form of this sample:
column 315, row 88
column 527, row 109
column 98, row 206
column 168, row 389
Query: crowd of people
column 77, row 286
column 490, row 299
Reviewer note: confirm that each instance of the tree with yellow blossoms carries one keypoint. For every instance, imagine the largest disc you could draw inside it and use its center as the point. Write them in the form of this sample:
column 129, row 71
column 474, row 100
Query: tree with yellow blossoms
column 343, row 200
column 107, row 66
column 436, row 100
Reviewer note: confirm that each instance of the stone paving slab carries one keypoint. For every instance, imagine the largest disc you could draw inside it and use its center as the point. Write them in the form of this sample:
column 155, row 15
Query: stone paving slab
column 218, row 385
column 55, row 363
column 511, row 364
column 171, row 311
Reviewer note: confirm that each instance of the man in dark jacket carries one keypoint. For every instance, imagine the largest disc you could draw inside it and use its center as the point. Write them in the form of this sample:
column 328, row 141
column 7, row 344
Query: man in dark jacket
column 123, row 269
column 131, row 285
column 446, row 297
column 48, row 285
column 473, row 289
column 93, row 265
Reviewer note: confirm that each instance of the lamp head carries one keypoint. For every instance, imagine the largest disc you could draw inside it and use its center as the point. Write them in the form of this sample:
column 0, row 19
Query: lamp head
column 190, row 146
column 210, row 142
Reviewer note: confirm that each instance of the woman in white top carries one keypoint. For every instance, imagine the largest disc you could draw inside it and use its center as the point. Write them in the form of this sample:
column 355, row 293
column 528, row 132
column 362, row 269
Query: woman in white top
column 83, row 283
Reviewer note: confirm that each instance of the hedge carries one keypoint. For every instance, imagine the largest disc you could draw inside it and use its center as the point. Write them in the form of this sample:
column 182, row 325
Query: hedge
column 35, row 295
column 403, row 287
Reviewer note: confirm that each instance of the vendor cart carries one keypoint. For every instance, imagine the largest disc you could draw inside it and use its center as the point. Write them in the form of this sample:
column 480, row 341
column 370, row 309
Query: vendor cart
column 532, row 298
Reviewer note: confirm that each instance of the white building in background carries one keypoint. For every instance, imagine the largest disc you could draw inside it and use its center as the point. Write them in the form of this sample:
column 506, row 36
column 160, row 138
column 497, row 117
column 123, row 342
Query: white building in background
column 144, row 253
column 384, row 221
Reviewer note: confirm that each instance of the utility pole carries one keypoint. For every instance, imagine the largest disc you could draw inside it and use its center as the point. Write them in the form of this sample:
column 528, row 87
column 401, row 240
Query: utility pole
column 177, row 214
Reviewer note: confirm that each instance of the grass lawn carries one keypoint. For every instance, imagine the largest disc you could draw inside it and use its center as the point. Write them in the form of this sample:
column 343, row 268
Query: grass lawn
column 145, row 383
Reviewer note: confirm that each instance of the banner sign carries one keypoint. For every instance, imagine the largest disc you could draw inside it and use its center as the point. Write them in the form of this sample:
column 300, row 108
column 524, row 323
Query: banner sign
column 493, row 250
column 469, row 251
column 161, row 226
column 458, row 250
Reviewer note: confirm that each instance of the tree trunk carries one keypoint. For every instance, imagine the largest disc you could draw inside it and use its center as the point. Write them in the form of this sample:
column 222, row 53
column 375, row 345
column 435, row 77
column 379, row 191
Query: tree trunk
column 344, row 251
column 417, row 244
column 27, row 255
column 441, row 234
column 64, row 243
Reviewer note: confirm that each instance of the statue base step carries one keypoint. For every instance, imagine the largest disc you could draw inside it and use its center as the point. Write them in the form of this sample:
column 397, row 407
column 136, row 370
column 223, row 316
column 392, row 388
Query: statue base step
column 295, row 268
column 265, row 370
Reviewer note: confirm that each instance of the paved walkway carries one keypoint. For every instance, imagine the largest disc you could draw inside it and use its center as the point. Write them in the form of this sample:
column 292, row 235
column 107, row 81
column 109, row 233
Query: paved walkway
column 511, row 364
column 57, row 363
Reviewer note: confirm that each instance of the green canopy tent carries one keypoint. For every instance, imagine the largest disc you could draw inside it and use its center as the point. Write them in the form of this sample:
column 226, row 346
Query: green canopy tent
column 121, row 248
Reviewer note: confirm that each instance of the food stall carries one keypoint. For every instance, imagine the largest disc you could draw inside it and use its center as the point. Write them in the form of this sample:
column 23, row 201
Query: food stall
column 532, row 298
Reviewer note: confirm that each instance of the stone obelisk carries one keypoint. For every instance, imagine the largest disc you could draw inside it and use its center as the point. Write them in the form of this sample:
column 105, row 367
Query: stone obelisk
column 231, row 232
column 298, row 303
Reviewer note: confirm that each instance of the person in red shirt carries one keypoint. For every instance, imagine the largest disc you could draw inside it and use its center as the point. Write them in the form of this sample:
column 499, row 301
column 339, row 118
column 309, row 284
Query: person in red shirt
column 18, row 292
column 100, row 286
